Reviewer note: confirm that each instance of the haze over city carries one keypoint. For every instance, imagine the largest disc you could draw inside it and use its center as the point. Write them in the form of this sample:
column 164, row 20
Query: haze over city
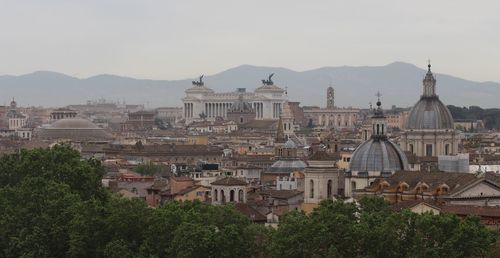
column 249, row 128
column 181, row 39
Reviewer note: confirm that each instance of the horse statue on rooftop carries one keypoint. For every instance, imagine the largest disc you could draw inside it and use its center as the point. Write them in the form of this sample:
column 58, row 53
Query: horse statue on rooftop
column 199, row 82
column 269, row 81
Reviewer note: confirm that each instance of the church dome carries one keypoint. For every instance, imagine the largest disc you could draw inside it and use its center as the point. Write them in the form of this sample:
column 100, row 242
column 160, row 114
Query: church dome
column 429, row 112
column 290, row 144
column 378, row 154
column 74, row 129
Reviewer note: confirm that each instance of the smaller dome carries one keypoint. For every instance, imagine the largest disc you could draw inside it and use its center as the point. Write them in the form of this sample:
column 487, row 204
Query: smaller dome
column 290, row 144
column 378, row 154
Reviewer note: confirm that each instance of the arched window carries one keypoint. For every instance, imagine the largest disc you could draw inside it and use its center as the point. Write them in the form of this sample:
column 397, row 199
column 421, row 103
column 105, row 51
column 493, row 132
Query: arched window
column 240, row 196
column 216, row 195
column 447, row 149
column 231, row 196
column 311, row 186
column 329, row 189
column 222, row 196
column 378, row 129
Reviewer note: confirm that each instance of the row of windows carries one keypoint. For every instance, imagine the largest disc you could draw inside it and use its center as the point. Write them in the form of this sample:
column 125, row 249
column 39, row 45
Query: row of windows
column 329, row 188
column 232, row 196
column 429, row 148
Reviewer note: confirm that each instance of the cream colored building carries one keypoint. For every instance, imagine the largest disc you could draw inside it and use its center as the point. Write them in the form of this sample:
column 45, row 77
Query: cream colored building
column 201, row 101
column 322, row 181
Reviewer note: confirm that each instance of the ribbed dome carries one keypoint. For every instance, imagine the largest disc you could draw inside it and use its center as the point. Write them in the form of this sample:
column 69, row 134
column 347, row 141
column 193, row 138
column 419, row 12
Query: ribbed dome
column 378, row 154
column 429, row 113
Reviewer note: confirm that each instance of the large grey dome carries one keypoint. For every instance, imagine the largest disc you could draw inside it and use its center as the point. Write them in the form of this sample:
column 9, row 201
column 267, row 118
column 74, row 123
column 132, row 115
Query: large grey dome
column 75, row 129
column 429, row 113
column 378, row 154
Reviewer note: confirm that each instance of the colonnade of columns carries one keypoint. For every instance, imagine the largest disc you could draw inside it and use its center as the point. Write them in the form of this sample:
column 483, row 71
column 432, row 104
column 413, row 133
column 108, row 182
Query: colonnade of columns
column 259, row 110
column 188, row 110
column 217, row 109
column 276, row 110
column 340, row 120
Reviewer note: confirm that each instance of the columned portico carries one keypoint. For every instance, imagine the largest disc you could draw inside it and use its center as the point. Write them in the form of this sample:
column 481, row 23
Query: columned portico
column 267, row 100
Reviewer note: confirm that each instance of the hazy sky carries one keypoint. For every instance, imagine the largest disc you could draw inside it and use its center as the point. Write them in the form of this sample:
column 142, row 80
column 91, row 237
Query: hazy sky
column 180, row 39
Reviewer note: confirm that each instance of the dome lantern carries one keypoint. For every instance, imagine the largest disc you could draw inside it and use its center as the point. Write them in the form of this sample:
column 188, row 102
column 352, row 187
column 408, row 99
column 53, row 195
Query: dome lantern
column 429, row 83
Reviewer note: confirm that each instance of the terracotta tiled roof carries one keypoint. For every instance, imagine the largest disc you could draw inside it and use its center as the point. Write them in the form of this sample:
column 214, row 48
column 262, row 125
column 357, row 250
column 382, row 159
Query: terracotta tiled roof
column 484, row 211
column 260, row 124
column 281, row 194
column 455, row 181
column 321, row 155
column 250, row 212
column 182, row 178
column 229, row 181
column 187, row 190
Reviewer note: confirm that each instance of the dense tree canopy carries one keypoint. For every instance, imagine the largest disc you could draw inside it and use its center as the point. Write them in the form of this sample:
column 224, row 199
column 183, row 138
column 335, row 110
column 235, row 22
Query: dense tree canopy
column 490, row 116
column 52, row 205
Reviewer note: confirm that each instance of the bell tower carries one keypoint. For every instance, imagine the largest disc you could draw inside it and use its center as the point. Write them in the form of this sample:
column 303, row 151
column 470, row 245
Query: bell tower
column 379, row 124
column 330, row 98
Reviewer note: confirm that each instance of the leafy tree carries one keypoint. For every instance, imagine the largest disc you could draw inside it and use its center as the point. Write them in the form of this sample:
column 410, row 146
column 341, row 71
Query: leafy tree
column 35, row 218
column 52, row 205
column 60, row 164
column 149, row 168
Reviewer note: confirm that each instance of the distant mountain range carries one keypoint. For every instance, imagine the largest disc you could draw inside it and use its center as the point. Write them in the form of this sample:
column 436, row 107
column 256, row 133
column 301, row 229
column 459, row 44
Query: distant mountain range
column 400, row 84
